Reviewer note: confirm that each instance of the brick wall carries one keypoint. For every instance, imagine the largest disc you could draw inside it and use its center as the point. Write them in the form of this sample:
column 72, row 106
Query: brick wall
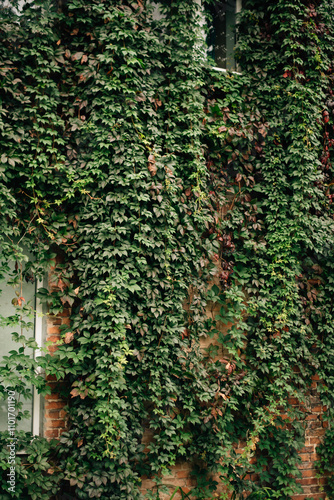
column 54, row 421
column 316, row 427
column 180, row 476
column 311, row 484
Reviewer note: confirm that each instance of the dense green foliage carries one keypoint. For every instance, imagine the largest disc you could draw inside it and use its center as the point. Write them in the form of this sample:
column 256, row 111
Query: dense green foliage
column 154, row 180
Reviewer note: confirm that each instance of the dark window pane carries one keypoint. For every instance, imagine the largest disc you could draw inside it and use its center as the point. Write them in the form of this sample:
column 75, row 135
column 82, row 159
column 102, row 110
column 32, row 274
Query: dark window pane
column 222, row 36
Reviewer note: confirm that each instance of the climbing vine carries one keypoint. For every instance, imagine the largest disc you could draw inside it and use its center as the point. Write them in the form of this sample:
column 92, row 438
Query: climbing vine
column 169, row 200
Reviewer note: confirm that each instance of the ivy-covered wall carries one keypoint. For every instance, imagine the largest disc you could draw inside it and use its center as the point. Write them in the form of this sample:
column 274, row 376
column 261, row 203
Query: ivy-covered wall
column 158, row 190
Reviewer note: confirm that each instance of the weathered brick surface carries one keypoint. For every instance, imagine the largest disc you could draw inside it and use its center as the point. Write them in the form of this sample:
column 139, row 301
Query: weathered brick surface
column 54, row 422
column 311, row 484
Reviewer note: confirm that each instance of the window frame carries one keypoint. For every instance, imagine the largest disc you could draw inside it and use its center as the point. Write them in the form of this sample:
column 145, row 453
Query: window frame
column 238, row 7
column 35, row 420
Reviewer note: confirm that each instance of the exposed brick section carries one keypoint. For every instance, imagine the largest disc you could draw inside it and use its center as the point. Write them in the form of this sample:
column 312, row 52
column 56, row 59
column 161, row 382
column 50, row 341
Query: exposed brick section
column 54, row 415
column 311, row 484
column 180, row 476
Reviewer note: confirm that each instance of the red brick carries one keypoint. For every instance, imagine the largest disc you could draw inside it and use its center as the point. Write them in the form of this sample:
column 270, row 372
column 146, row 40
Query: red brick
column 52, row 414
column 307, row 490
column 176, row 482
column 318, row 409
column 319, row 432
column 304, row 497
column 52, row 349
column 55, row 423
column 51, row 433
column 293, row 401
column 306, row 457
column 53, row 397
column 54, row 405
column 147, row 484
column 307, row 449
column 55, row 321
column 309, row 473
column 53, row 330
column 313, row 416
column 52, row 338
column 307, row 465
column 307, row 480
column 315, row 440
column 182, row 473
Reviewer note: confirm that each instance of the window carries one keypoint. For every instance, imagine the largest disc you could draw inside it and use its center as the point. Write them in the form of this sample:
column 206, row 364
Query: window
column 11, row 294
column 221, row 18
column 222, row 33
